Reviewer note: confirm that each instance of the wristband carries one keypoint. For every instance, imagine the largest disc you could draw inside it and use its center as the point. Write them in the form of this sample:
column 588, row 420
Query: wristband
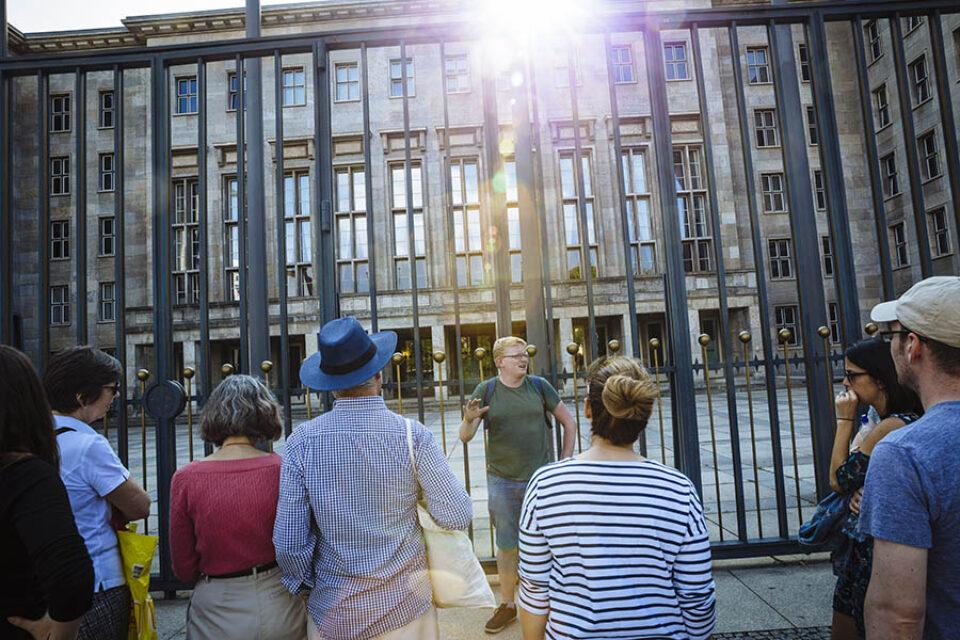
column 847, row 419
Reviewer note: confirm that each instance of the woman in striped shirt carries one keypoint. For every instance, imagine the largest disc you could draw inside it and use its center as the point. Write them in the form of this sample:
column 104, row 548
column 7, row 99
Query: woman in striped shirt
column 613, row 545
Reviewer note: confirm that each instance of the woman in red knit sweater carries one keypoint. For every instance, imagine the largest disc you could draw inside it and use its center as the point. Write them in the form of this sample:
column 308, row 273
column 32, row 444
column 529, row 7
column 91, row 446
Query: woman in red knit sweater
column 222, row 510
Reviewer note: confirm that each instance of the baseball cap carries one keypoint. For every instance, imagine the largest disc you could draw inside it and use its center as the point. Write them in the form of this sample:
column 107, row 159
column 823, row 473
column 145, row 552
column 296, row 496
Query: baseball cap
column 931, row 308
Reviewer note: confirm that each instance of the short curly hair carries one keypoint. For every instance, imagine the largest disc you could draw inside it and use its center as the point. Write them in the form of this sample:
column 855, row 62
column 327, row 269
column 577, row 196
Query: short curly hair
column 241, row 406
column 504, row 343
column 621, row 394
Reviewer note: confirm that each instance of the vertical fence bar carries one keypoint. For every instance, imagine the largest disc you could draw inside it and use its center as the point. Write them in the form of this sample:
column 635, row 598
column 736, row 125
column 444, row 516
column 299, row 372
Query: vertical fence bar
column 368, row 187
column 583, row 223
column 43, row 198
column 327, row 262
column 244, row 364
column 946, row 117
column 411, row 235
column 704, row 340
column 873, row 160
column 910, row 145
column 278, row 180
column 757, row 242
column 631, row 267
column 203, row 223
column 6, row 215
column 675, row 280
column 119, row 264
column 725, row 341
column 831, row 163
column 80, row 200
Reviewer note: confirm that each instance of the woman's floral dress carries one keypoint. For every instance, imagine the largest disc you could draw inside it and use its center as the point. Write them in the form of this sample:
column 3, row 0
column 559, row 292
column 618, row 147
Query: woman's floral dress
column 853, row 559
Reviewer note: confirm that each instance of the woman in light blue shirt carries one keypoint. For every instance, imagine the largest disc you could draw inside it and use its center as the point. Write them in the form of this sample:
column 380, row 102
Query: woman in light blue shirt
column 81, row 383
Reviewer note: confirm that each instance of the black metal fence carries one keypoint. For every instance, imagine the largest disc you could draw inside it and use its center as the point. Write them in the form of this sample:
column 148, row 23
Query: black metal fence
column 777, row 257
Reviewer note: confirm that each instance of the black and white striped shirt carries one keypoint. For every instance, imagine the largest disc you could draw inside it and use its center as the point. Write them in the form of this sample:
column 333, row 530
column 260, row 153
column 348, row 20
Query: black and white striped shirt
column 616, row 550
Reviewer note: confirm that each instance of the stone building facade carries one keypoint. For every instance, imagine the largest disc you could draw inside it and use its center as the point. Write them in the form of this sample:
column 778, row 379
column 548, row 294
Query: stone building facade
column 468, row 203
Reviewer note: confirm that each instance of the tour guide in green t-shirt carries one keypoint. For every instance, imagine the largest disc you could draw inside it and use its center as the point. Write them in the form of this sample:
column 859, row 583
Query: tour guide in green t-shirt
column 517, row 445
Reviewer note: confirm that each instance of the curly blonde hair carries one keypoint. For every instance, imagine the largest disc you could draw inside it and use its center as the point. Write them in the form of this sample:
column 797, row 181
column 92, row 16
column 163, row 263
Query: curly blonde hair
column 504, row 343
column 621, row 395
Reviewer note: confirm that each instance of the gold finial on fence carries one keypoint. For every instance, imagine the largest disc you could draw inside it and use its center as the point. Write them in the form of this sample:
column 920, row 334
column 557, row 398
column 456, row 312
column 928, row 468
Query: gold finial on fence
column 266, row 366
column 397, row 359
column 613, row 346
column 871, row 328
column 188, row 374
column 531, row 353
column 226, row 369
column 744, row 337
column 439, row 357
column 655, row 345
column 704, row 340
column 479, row 354
column 823, row 332
column 573, row 348
column 784, row 336
column 143, row 375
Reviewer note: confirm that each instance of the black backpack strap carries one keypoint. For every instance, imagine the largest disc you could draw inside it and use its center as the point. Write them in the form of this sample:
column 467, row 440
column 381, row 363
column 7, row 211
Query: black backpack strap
column 63, row 430
column 491, row 385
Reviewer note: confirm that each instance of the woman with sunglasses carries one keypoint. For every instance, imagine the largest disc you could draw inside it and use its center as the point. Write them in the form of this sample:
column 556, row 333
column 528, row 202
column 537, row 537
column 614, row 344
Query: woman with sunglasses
column 81, row 384
column 870, row 380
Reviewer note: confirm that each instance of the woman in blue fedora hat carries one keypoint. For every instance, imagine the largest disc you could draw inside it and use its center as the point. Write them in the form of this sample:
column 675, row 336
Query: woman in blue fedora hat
column 346, row 532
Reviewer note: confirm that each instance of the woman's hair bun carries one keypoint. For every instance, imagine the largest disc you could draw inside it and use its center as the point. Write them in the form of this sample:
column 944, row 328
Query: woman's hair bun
column 628, row 398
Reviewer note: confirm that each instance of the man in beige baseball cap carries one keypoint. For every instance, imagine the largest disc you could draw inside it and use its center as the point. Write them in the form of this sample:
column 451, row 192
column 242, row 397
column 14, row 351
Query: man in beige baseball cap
column 911, row 501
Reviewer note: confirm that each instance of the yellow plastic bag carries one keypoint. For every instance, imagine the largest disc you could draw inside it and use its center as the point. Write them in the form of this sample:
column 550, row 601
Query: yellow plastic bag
column 137, row 552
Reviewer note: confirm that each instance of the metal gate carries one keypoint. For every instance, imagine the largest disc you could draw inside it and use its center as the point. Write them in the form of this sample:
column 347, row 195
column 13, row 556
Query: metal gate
column 714, row 190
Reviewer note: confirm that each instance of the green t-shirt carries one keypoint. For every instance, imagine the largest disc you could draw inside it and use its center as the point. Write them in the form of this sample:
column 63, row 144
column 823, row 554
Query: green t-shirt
column 517, row 440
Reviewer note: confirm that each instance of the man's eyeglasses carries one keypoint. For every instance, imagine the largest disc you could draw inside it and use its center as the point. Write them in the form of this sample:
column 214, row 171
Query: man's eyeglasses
column 887, row 336
column 516, row 356
column 853, row 375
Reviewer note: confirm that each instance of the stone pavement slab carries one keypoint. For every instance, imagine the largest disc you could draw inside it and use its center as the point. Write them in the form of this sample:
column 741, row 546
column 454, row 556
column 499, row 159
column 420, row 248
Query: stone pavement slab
column 770, row 598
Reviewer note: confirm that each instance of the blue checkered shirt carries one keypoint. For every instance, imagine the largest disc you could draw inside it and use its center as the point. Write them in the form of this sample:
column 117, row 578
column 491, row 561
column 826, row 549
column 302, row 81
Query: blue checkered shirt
column 346, row 527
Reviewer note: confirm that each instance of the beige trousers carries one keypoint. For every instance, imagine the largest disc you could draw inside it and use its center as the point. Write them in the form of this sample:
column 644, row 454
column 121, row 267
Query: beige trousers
column 255, row 607
column 425, row 627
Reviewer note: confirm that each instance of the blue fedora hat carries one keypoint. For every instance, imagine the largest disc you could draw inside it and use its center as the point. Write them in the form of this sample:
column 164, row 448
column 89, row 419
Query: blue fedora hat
column 347, row 356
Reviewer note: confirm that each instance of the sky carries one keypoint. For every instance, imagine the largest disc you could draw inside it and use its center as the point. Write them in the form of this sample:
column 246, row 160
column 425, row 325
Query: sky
column 61, row 15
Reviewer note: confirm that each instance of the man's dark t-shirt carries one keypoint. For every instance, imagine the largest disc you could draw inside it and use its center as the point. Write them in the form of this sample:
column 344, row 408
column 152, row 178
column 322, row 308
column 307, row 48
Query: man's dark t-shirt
column 518, row 441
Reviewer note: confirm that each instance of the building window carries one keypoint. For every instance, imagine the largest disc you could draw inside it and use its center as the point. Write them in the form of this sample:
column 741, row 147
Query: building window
column 465, row 199
column 820, row 195
column 107, row 172
column 891, row 179
column 347, row 82
column 765, row 121
column 59, row 304
column 930, row 164
column 513, row 220
column 812, row 131
column 781, row 264
column 187, row 95
column 834, row 321
column 643, row 245
column 758, row 66
column 231, row 240
column 675, row 59
column 401, row 232
column 803, row 57
column 883, row 107
column 106, row 311
column 353, row 269
column 107, row 234
column 458, row 74
column 232, row 95
column 623, row 71
column 186, row 242
column 785, row 317
column 106, row 110
column 939, row 232
column 771, row 184
column 295, row 87
column 919, row 80
column 913, row 22
column 873, row 40
column 60, row 176
column 299, row 235
column 60, row 240
column 898, row 240
column 561, row 69
column 396, row 79
column 571, row 215
column 826, row 247
column 695, row 234
column 59, row 113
